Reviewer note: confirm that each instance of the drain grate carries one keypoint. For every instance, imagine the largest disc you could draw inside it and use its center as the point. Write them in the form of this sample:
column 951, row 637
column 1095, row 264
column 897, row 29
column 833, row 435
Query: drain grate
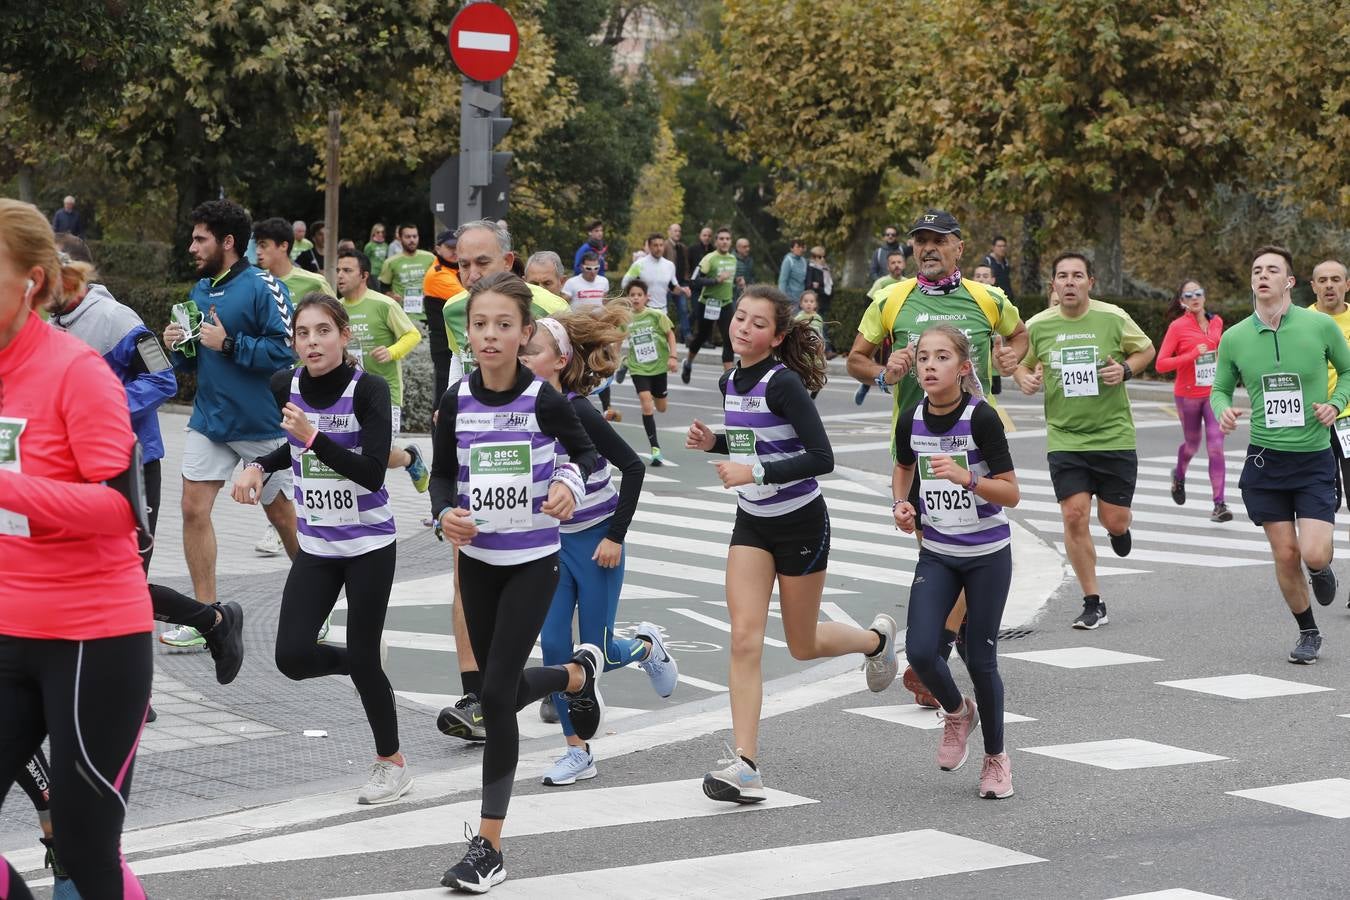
column 1012, row 634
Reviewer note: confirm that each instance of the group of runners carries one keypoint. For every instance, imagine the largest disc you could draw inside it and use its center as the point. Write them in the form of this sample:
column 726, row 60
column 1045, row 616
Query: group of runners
column 534, row 490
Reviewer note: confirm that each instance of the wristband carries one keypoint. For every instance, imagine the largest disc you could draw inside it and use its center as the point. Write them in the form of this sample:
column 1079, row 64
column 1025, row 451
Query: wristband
column 897, row 503
column 310, row 443
column 255, row 465
column 974, row 480
column 882, row 383
column 570, row 476
column 1127, row 374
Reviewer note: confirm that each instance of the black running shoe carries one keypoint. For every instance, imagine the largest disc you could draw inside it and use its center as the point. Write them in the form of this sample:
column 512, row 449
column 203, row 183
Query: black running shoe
column 1323, row 585
column 1221, row 513
column 151, row 715
column 1178, row 489
column 1308, row 648
column 1092, row 616
column 480, row 869
column 1121, row 543
column 687, row 370
column 620, row 375
column 464, row 720
column 586, row 707
column 548, row 713
column 226, row 641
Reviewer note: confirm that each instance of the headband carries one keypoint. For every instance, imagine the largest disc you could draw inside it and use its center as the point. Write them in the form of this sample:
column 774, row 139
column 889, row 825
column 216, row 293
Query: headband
column 559, row 333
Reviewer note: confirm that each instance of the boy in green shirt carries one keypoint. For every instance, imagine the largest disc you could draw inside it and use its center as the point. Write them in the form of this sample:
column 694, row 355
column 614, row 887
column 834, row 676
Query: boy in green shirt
column 273, row 237
column 651, row 356
column 402, row 273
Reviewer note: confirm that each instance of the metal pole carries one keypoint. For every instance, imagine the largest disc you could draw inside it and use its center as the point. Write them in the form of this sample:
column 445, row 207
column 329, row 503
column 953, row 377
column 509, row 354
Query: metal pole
column 330, row 199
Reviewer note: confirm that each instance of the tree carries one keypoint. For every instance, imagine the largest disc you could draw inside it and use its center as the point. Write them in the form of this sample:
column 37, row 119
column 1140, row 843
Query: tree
column 658, row 199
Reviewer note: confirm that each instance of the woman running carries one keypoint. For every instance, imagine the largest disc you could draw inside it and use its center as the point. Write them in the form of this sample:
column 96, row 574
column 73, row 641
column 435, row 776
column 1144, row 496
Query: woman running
column 651, row 359
column 1191, row 349
column 965, row 478
column 499, row 494
column 777, row 446
column 573, row 353
column 75, row 617
column 338, row 431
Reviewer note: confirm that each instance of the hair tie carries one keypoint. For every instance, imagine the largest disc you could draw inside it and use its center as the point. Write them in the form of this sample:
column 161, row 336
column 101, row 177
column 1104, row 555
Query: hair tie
column 63, row 258
column 559, row 333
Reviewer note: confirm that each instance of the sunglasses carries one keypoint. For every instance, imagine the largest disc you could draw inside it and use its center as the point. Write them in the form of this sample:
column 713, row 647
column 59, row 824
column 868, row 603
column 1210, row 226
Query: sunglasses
column 890, row 234
column 1191, row 295
column 590, row 268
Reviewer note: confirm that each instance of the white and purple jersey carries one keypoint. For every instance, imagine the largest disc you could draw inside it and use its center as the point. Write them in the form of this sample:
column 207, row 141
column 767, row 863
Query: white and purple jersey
column 756, row 434
column 955, row 521
column 335, row 516
column 601, row 499
column 506, row 464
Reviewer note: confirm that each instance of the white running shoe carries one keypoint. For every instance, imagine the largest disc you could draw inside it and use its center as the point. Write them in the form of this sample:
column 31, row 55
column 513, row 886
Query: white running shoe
column 387, row 783
column 323, row 629
column 737, row 782
column 269, row 544
column 184, row 639
column 882, row 666
column 659, row 665
column 577, row 764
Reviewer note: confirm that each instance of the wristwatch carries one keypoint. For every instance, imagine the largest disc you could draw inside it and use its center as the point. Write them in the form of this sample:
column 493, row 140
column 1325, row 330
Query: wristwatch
column 758, row 472
column 227, row 346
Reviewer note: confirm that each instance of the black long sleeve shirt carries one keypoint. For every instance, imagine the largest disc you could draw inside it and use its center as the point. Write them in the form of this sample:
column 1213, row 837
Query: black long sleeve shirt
column 787, row 398
column 615, row 449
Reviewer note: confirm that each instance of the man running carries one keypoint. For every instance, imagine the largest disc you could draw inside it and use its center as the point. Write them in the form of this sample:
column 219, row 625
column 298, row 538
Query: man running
column 273, row 242
column 588, row 290
column 244, row 337
column 402, row 274
column 1329, row 284
column 654, row 270
column 545, row 269
column 1087, row 350
column 1280, row 352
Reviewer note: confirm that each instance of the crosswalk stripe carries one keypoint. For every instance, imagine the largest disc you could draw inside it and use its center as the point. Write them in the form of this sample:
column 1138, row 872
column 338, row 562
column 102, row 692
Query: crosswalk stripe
column 684, row 572
column 888, row 577
column 832, row 611
column 868, row 548
column 1181, row 559
column 719, row 624
column 549, row 813
column 1138, row 515
column 1200, row 513
column 1170, row 538
column 773, row 872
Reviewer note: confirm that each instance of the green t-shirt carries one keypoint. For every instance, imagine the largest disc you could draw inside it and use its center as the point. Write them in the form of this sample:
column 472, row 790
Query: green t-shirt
column 714, row 264
column 648, row 342
column 1342, row 320
column 404, row 273
column 377, row 321
column 456, row 315
column 376, row 252
column 302, row 281
column 298, row 247
column 881, row 284
column 922, row 311
column 1285, row 373
column 1081, row 412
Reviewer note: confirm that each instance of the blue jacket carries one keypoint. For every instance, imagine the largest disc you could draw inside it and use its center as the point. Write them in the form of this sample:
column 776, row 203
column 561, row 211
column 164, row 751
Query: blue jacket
column 792, row 276
column 114, row 331
column 234, row 399
column 585, row 248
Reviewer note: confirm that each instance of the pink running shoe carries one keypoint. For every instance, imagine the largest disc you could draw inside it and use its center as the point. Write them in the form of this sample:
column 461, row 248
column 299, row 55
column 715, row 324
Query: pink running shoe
column 956, row 729
column 996, row 777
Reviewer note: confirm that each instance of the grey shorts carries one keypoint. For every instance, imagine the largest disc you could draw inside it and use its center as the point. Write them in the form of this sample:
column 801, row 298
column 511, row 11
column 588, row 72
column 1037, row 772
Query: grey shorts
column 207, row 460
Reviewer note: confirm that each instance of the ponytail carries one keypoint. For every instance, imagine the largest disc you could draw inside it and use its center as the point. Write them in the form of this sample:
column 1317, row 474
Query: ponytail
column 802, row 349
column 595, row 337
column 28, row 238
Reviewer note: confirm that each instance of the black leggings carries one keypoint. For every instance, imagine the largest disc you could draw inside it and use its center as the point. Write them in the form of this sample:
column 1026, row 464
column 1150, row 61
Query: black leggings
column 169, row 605
column 91, row 699
column 311, row 590
column 938, row 580
column 703, row 331
column 504, row 610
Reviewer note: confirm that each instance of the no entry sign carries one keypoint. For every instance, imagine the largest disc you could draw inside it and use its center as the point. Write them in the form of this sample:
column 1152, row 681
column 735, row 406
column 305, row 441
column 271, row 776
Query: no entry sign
column 484, row 41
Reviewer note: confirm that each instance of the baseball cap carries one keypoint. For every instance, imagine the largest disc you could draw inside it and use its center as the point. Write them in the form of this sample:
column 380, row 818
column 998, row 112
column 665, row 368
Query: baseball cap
column 446, row 237
column 936, row 220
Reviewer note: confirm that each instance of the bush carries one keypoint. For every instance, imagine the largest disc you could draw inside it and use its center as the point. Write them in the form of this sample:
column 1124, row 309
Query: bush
column 139, row 260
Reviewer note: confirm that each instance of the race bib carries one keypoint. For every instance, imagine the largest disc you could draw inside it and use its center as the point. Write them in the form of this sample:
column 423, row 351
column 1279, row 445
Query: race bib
column 741, row 449
column 500, row 476
column 1078, row 369
column 1343, row 435
column 1282, row 395
column 412, row 301
column 12, row 523
column 711, row 310
column 944, row 503
column 1206, row 365
column 329, row 499
column 644, row 347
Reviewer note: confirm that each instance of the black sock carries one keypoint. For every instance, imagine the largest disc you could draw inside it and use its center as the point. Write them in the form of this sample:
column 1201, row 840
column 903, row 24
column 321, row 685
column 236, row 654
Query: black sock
column 472, row 682
column 1092, row 600
column 649, row 426
column 947, row 643
column 1306, row 622
column 750, row 762
column 882, row 642
column 604, row 399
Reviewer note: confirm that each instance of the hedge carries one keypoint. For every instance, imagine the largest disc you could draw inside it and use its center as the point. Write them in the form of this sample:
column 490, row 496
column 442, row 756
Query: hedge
column 147, row 261
column 153, row 302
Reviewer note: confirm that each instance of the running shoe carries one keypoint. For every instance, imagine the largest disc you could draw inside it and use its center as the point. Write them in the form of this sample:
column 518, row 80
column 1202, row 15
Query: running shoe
column 996, row 777
column 150, row 714
column 922, row 696
column 480, row 869
column 577, row 764
column 686, row 370
column 464, row 720
column 620, row 375
column 861, row 394
column 548, row 713
column 1178, row 489
column 183, row 639
column 388, row 781
column 1323, row 585
column 1221, row 513
column 1308, row 648
column 226, row 641
column 417, row 469
column 881, row 667
column 324, row 629
column 659, row 665
column 586, row 708
column 1121, row 543
column 656, row 457
column 613, row 415
column 956, row 729
column 1092, row 616
column 269, row 544
column 736, row 782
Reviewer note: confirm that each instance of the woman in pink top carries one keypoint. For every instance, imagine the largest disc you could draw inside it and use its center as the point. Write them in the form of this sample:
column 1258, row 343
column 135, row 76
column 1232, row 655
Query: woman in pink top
column 75, row 617
column 1190, row 348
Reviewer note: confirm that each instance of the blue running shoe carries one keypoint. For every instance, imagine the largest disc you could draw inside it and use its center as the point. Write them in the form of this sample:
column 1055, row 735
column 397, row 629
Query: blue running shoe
column 417, row 469
column 577, row 764
column 659, row 665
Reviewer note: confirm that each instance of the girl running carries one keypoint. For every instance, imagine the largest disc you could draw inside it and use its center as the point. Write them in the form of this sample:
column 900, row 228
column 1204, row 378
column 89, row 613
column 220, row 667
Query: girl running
column 75, row 616
column 777, row 446
column 965, row 478
column 651, row 359
column 499, row 494
column 338, row 431
column 573, row 353
column 1190, row 348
